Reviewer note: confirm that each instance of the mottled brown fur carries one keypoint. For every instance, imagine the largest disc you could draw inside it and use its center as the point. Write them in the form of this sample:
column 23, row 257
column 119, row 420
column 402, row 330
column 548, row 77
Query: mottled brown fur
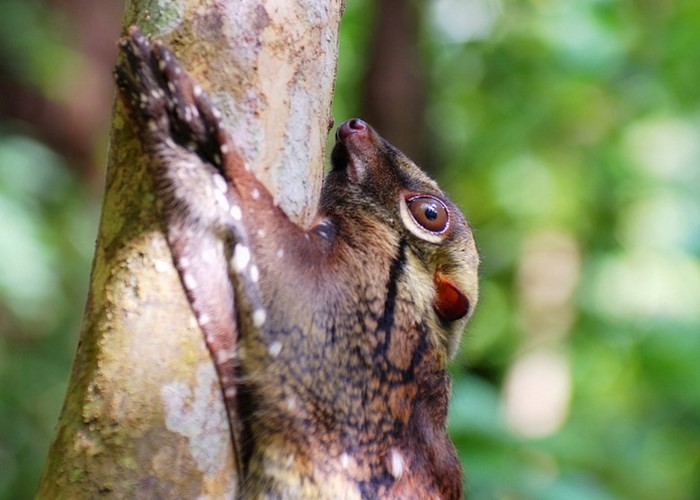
column 334, row 366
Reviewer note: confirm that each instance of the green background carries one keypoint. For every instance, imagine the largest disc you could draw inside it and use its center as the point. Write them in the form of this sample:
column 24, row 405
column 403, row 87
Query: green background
column 569, row 132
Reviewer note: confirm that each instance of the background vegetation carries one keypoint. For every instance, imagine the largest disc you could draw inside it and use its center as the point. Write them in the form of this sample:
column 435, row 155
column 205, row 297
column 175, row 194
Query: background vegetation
column 569, row 131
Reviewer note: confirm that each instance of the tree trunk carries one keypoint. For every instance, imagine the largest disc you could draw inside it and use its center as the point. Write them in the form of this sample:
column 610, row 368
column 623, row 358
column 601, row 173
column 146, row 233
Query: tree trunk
column 143, row 415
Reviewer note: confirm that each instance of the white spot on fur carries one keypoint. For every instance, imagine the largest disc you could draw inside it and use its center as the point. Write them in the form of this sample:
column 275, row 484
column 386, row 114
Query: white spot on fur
column 259, row 318
column 203, row 319
column 224, row 148
column 280, row 253
column 220, row 183
column 189, row 281
column 209, row 254
column 241, row 258
column 291, row 403
column 254, row 273
column 184, row 262
column 230, row 392
column 261, row 233
column 255, row 193
column 344, row 460
column 197, row 91
column 221, row 199
column 274, row 349
column 397, row 464
column 225, row 355
column 235, row 212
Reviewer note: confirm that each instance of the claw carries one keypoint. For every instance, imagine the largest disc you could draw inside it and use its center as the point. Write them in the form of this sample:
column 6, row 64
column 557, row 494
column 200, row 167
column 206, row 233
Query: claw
column 166, row 102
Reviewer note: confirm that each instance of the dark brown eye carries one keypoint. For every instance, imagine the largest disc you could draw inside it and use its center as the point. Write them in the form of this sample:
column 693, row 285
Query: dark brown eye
column 429, row 212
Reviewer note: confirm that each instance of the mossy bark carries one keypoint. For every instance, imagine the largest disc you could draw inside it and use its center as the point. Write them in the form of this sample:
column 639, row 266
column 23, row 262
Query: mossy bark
column 143, row 415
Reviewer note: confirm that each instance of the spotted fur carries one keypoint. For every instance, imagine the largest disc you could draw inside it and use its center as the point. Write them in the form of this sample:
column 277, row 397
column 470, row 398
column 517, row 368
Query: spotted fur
column 328, row 343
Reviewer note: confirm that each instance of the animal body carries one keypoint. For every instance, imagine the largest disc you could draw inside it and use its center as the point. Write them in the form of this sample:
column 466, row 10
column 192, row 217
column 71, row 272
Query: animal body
column 333, row 357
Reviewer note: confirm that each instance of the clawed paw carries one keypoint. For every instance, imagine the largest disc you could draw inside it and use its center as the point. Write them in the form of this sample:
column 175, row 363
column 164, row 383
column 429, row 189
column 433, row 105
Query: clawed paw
column 165, row 100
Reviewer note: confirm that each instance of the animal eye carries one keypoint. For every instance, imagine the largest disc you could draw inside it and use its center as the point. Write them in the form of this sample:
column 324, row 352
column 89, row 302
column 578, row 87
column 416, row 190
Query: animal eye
column 428, row 212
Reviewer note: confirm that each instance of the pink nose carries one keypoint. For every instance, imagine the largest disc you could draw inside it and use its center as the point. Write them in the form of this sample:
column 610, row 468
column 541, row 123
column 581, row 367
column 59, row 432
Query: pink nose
column 349, row 127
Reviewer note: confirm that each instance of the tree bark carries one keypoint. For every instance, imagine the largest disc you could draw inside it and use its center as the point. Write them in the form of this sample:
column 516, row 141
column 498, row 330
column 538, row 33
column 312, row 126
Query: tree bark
column 143, row 415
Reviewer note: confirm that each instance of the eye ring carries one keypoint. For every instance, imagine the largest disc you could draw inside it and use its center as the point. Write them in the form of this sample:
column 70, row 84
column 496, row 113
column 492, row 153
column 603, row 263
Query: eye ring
column 429, row 212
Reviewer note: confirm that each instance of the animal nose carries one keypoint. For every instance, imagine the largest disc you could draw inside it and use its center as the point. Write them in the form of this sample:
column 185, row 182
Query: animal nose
column 349, row 127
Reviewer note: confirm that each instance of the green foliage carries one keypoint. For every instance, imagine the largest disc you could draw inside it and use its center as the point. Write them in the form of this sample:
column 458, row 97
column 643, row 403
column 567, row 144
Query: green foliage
column 48, row 229
column 33, row 45
column 570, row 134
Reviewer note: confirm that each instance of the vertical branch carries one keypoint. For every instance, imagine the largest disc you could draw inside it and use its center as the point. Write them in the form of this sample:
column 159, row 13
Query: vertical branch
column 143, row 414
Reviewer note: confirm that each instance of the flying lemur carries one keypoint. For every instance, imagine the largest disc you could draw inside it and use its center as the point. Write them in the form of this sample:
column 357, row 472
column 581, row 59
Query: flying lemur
column 333, row 358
